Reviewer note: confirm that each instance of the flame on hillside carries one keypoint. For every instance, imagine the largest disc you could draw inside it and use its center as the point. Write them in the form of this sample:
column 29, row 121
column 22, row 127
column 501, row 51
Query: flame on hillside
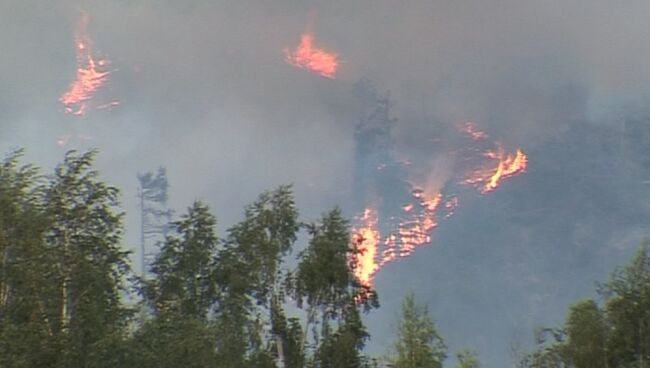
column 501, row 167
column 92, row 74
column 313, row 59
column 429, row 205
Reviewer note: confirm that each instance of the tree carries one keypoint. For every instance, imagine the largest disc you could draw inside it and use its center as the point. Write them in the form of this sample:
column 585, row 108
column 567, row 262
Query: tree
column 549, row 352
column 184, row 269
column 418, row 344
column 627, row 310
column 324, row 281
column 26, row 330
column 250, row 270
column 87, row 264
column 173, row 341
column 586, row 331
column 342, row 348
column 181, row 293
column 467, row 359
column 616, row 335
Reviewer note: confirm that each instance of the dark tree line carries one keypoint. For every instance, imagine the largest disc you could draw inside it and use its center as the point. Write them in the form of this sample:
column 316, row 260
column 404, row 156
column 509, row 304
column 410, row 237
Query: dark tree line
column 611, row 333
column 67, row 291
column 66, row 285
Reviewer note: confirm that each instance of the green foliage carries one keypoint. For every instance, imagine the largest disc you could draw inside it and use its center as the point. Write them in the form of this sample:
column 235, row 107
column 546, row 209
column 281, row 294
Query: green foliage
column 586, row 330
column 549, row 351
column 89, row 265
column 616, row 335
column 249, row 270
column 62, row 266
column 184, row 269
column 467, row 359
column 343, row 347
column 212, row 302
column 418, row 344
column 324, row 278
column 173, row 341
column 324, row 284
column 26, row 336
column 627, row 310
column 263, row 238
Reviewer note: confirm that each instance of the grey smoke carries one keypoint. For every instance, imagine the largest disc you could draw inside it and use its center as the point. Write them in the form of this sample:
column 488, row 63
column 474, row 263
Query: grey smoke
column 205, row 92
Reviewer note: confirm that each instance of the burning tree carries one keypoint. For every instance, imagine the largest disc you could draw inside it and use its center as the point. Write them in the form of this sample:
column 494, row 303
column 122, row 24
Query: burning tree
column 399, row 203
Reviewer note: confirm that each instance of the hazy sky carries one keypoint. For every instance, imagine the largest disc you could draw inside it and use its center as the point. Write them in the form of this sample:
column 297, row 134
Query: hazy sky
column 204, row 91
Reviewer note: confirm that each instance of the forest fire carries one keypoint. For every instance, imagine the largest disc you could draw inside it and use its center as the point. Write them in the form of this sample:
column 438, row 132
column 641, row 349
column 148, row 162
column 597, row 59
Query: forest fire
column 411, row 225
column 366, row 239
column 507, row 165
column 413, row 229
column 91, row 74
column 316, row 60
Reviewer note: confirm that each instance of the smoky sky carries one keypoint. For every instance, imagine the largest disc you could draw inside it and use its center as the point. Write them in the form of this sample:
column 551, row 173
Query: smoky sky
column 205, row 92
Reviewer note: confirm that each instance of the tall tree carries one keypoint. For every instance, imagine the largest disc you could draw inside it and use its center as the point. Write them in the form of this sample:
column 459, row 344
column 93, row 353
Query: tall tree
column 181, row 294
column 250, row 269
column 88, row 265
column 184, row 269
column 586, row 332
column 26, row 330
column 418, row 344
column 324, row 282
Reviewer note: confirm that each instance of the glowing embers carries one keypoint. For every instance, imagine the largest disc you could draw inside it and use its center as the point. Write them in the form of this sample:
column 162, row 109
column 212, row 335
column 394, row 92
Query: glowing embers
column 414, row 226
column 315, row 60
column 488, row 178
column 91, row 75
column 472, row 131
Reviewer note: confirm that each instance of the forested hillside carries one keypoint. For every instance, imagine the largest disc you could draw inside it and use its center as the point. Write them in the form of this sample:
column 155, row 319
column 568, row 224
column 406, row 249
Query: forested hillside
column 275, row 290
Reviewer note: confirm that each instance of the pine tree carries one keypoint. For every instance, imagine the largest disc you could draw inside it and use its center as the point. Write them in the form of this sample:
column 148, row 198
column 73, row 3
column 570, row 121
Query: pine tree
column 418, row 344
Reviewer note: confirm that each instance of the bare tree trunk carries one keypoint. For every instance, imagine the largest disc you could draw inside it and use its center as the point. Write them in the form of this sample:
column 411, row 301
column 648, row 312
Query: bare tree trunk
column 311, row 315
column 66, row 298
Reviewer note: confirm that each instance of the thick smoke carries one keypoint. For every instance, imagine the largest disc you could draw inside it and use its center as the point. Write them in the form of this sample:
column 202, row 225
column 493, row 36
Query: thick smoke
column 205, row 92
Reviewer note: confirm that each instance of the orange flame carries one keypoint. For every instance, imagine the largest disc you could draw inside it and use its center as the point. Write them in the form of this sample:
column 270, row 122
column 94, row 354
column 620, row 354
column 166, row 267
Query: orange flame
column 507, row 165
column 420, row 216
column 412, row 231
column 366, row 239
column 91, row 74
column 313, row 59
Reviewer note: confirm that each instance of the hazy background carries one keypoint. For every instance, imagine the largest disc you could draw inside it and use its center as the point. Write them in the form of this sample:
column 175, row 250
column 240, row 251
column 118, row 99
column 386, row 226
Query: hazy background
column 205, row 92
